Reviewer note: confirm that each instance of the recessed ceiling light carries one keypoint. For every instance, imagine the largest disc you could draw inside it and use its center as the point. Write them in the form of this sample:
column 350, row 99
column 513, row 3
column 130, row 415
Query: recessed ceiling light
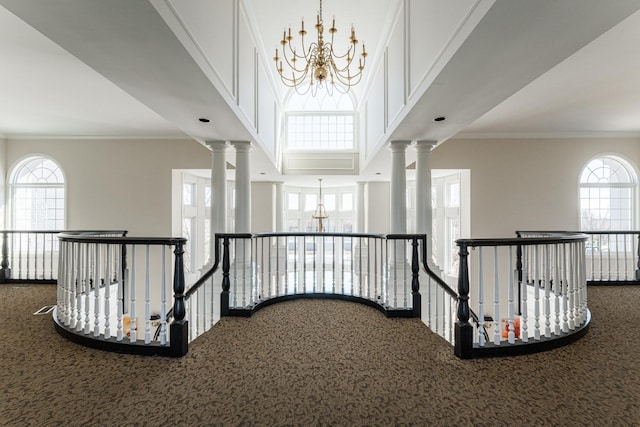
column 378, row 173
column 263, row 173
column 203, row 120
column 440, row 119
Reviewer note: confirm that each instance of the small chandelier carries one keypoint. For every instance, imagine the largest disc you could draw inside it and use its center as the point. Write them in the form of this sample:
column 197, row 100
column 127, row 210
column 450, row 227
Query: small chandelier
column 320, row 213
column 320, row 66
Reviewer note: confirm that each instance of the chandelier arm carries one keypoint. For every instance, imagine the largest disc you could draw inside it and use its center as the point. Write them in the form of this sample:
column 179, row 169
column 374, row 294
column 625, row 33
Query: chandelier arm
column 308, row 58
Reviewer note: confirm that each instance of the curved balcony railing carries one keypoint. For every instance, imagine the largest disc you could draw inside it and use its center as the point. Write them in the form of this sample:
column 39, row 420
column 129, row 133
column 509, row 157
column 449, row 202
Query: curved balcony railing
column 115, row 293
column 514, row 296
column 530, row 294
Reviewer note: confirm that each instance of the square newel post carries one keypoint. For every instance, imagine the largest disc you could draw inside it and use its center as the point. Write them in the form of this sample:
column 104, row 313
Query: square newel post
column 463, row 347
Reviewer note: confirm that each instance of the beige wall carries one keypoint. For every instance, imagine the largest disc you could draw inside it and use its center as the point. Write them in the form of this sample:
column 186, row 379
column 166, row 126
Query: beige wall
column 117, row 183
column 526, row 184
column 515, row 184
column 262, row 207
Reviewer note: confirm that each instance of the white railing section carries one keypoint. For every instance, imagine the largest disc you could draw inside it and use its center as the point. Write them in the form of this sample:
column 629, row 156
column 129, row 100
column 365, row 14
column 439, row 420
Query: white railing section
column 523, row 289
column 267, row 266
column 612, row 257
column 32, row 255
column 118, row 288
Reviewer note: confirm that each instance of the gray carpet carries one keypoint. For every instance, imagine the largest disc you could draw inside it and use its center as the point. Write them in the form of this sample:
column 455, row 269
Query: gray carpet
column 318, row 363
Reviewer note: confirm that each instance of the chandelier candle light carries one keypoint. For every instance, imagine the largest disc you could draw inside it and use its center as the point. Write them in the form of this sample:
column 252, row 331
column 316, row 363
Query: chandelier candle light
column 319, row 61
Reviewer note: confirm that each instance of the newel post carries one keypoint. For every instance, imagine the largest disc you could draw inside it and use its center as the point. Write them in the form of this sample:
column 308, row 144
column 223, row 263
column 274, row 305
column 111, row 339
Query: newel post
column 415, row 283
column 463, row 330
column 226, row 283
column 180, row 326
column 5, row 271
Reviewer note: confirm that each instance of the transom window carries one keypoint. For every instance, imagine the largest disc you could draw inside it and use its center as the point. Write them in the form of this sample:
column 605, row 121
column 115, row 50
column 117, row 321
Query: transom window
column 37, row 195
column 608, row 186
column 320, row 123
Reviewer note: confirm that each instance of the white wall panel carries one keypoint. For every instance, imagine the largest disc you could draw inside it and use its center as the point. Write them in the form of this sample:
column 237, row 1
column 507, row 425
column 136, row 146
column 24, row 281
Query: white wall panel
column 266, row 111
column 433, row 24
column 246, row 71
column 396, row 65
column 375, row 114
column 209, row 27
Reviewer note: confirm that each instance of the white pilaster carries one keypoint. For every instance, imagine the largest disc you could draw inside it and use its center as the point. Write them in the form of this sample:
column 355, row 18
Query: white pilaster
column 359, row 219
column 243, row 187
column 279, row 189
column 398, row 196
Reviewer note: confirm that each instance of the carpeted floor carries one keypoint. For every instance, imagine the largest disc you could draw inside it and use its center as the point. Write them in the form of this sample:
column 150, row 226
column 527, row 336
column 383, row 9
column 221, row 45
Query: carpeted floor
column 318, row 363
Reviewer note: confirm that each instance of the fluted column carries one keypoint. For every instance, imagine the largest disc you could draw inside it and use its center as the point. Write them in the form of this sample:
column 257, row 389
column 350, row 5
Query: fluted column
column 359, row 219
column 398, row 196
column 218, row 191
column 243, row 187
column 279, row 189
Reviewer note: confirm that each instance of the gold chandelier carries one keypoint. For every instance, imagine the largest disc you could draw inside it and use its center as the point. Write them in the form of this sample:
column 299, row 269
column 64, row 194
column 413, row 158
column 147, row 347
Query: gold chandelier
column 320, row 213
column 320, row 66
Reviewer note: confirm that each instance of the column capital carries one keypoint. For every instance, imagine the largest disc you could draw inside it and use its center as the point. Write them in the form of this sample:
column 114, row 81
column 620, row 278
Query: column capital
column 396, row 146
column 217, row 146
column 425, row 145
column 241, row 146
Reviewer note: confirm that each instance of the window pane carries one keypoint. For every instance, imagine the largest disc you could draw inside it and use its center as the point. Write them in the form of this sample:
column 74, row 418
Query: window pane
column 293, row 202
column 329, row 202
column 347, row 202
column 310, row 202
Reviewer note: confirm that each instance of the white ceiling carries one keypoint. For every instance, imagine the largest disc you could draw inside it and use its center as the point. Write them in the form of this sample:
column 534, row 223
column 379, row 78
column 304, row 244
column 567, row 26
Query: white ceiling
column 46, row 91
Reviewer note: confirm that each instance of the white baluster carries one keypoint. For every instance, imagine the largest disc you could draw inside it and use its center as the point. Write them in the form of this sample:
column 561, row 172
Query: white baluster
column 163, row 300
column 132, row 284
column 565, row 290
column 147, row 301
column 496, row 299
column 536, row 293
column 96, row 294
column 107, row 294
column 524, row 323
column 547, row 292
column 481, row 340
column 120, row 292
column 511, row 334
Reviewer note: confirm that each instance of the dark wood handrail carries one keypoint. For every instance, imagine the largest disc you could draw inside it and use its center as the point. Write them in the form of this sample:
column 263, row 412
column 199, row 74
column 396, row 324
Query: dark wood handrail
column 171, row 241
column 514, row 241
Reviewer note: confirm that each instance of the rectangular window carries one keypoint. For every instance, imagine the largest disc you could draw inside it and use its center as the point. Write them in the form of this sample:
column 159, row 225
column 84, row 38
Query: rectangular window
column 293, row 201
column 329, row 202
column 347, row 202
column 310, row 202
column 320, row 132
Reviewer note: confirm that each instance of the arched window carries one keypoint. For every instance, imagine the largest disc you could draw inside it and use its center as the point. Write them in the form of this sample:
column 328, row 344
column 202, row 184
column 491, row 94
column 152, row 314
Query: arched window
column 37, row 195
column 608, row 187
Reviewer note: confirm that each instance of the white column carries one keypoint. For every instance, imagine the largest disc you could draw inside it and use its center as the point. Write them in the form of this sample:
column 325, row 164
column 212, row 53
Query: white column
column 359, row 219
column 218, row 191
column 398, row 196
column 243, row 187
column 424, row 216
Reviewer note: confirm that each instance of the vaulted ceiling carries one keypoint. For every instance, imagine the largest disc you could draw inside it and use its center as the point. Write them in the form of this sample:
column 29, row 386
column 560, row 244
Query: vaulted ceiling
column 122, row 68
